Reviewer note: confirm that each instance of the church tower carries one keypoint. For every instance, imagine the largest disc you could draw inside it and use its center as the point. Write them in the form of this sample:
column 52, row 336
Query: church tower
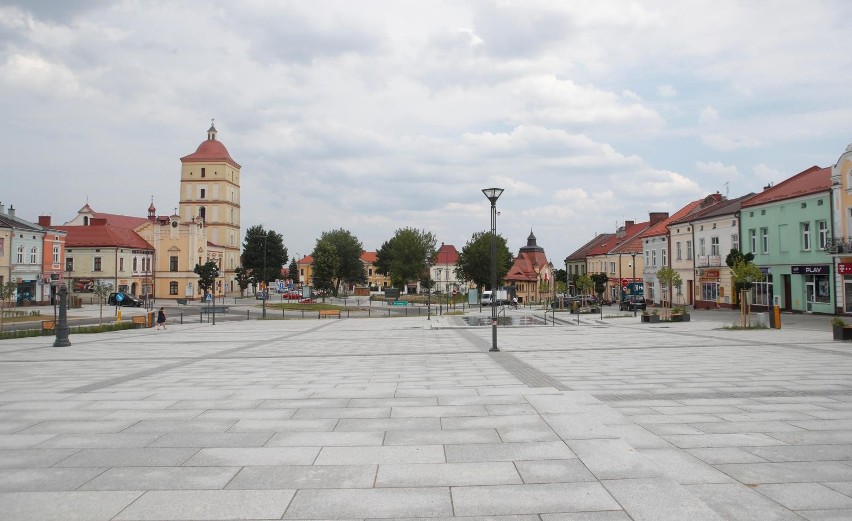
column 210, row 193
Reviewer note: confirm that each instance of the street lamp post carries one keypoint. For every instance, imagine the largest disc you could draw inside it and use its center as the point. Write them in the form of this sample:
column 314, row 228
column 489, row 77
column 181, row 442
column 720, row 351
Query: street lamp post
column 493, row 194
column 438, row 283
column 428, row 281
column 265, row 284
column 633, row 254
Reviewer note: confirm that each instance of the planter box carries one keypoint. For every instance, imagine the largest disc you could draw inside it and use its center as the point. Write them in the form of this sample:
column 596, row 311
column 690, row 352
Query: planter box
column 651, row 318
column 680, row 317
column 842, row 332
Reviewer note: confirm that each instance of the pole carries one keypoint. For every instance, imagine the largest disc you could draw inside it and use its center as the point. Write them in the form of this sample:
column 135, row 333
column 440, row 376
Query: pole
column 633, row 254
column 265, row 285
column 493, row 194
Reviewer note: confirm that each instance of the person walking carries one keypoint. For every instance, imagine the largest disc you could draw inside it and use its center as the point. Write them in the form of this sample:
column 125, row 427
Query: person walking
column 161, row 318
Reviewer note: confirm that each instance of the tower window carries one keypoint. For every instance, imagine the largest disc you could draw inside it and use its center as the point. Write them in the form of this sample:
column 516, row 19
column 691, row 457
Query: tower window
column 203, row 192
column 202, row 173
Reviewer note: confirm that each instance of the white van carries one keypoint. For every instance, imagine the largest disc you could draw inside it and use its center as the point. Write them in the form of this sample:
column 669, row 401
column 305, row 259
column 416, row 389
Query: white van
column 486, row 298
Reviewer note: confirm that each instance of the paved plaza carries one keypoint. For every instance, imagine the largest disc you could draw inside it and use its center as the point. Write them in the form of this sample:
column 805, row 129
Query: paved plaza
column 409, row 418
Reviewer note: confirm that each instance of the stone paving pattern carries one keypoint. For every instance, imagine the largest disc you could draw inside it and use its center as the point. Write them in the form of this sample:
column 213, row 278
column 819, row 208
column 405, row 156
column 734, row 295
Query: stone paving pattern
column 404, row 418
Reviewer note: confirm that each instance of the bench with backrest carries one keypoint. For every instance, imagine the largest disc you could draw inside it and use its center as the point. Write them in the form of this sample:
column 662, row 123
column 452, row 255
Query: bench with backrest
column 329, row 313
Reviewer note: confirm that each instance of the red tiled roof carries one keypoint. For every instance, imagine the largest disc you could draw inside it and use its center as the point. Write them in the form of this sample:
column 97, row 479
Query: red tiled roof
column 580, row 254
column 627, row 243
column 103, row 236
column 120, row 221
column 661, row 228
column 447, row 254
column 524, row 267
column 210, row 150
column 810, row 181
column 307, row 259
column 369, row 257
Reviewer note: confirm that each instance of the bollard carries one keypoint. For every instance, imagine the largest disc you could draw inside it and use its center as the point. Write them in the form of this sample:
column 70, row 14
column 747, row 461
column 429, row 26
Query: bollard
column 247, row 315
column 181, row 318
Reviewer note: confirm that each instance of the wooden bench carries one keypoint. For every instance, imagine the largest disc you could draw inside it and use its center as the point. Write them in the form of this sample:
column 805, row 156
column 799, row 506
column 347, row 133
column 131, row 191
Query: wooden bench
column 48, row 325
column 329, row 313
column 139, row 321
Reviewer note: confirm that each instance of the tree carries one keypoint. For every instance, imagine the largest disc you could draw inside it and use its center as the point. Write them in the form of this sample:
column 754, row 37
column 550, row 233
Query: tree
column 600, row 280
column 403, row 256
column 264, row 254
column 560, row 275
column 7, row 291
column 326, row 266
column 346, row 248
column 669, row 278
column 207, row 274
column 744, row 274
column 101, row 290
column 584, row 283
column 243, row 277
column 474, row 263
column 293, row 271
column 736, row 255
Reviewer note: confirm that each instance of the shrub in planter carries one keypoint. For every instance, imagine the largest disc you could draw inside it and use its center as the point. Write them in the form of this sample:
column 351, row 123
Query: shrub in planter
column 840, row 329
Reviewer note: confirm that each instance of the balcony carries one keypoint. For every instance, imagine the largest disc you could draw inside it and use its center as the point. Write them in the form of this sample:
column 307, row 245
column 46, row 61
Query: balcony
column 839, row 246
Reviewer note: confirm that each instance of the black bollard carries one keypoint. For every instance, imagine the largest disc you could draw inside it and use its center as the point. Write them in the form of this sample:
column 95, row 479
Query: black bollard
column 62, row 328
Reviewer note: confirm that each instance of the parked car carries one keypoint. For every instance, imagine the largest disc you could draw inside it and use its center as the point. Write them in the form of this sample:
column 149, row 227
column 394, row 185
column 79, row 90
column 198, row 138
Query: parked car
column 632, row 302
column 126, row 300
column 579, row 300
column 261, row 295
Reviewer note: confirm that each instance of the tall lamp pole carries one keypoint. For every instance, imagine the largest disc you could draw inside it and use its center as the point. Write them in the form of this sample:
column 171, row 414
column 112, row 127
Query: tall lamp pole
column 493, row 194
column 265, row 284
column 428, row 281
column 633, row 254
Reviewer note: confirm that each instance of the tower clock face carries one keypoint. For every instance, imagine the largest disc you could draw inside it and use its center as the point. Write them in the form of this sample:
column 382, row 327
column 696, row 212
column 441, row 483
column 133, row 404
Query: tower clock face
column 174, row 224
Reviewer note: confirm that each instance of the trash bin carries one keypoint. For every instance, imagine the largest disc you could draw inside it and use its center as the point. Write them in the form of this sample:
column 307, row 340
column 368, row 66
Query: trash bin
column 762, row 319
column 150, row 322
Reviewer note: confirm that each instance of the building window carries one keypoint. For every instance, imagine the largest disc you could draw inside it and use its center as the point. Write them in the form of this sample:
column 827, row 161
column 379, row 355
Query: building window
column 714, row 246
column 173, row 264
column 34, row 255
column 135, row 264
column 654, row 258
column 663, row 259
column 701, row 250
column 97, row 264
column 612, row 267
column 764, row 239
column 203, row 174
column 173, row 286
column 752, row 237
column 2, row 247
column 202, row 212
column 121, row 264
column 677, row 251
column 203, row 192
column 806, row 236
column 817, row 289
column 56, row 254
column 688, row 250
column 69, row 263
column 762, row 293
column 370, row 272
column 735, row 242
column 710, row 291
column 822, row 230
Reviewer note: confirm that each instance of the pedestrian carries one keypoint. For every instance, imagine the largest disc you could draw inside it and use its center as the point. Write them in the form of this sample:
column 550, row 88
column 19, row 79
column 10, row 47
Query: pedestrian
column 161, row 318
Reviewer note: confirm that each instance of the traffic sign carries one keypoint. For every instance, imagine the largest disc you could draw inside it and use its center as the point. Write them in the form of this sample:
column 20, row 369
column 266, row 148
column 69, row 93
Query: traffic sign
column 119, row 297
column 208, row 298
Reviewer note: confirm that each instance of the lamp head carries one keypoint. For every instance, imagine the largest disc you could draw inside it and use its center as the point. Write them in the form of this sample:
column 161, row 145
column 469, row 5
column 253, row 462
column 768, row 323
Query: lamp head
column 492, row 194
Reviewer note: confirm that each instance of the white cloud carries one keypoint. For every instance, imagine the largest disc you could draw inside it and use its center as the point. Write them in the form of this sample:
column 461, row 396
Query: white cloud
column 728, row 143
column 716, row 169
column 666, row 91
column 708, row 115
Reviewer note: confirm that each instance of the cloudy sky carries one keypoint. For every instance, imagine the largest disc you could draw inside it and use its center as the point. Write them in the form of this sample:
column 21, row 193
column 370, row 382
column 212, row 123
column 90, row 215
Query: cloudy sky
column 375, row 115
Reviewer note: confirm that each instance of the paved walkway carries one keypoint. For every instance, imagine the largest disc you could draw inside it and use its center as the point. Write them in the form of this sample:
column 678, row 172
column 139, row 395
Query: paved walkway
column 407, row 418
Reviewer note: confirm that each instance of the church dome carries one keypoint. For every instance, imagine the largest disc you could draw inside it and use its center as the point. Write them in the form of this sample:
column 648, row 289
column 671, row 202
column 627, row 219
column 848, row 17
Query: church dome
column 209, row 150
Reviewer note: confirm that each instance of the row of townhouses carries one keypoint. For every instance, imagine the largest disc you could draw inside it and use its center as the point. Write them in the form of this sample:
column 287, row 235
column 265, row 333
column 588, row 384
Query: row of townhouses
column 798, row 231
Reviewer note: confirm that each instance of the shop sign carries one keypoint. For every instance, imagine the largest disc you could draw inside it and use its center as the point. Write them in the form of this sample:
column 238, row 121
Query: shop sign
column 711, row 274
column 844, row 268
column 822, row 269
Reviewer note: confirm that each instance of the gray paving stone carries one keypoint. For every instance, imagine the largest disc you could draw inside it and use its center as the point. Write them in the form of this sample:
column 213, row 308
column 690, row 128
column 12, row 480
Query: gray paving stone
column 380, row 455
column 805, row 496
column 284, row 425
column 827, row 515
column 613, row 459
column 161, row 478
column 166, row 426
column 507, row 452
column 46, row 479
column 442, row 437
column 23, row 441
column 33, row 457
column 531, row 499
column 99, row 441
column 493, row 422
column 253, row 456
column 578, row 427
column 588, row 516
column 554, row 471
column 212, row 439
column 659, row 499
column 789, row 472
column 343, row 412
column 56, row 506
column 804, row 453
column 78, row 426
column 330, row 439
column 371, row 503
column 716, row 456
column 534, row 433
column 305, row 477
column 389, row 424
column 738, row 502
column 439, row 411
column 684, row 468
column 447, row 474
column 127, row 457
column 689, row 441
column 208, row 505
column 247, row 414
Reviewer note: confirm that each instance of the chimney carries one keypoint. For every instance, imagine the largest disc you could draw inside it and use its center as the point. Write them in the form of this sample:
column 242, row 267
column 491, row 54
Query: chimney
column 11, row 212
column 44, row 221
column 2, row 209
column 656, row 217
column 628, row 224
column 97, row 221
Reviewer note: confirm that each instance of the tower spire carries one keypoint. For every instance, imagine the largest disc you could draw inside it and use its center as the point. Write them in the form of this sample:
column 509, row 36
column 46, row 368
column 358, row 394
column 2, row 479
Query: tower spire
column 211, row 132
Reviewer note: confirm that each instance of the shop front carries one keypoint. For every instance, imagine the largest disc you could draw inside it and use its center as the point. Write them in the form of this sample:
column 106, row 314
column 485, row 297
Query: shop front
column 811, row 288
column 844, row 270
column 709, row 290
